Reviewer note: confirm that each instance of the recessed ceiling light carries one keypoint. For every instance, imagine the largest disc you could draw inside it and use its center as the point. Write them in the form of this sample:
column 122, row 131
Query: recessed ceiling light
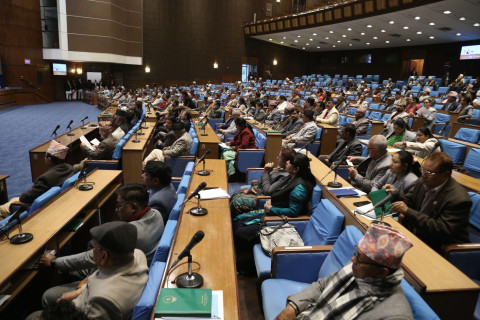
column 303, row 48
column 408, row 40
column 344, row 35
column 382, row 30
column 333, row 46
column 270, row 39
column 406, row 27
column 369, row 25
column 284, row 38
column 447, row 12
column 307, row 44
column 368, row 43
column 349, row 29
column 462, row 19
column 386, row 41
column 310, row 39
column 299, row 36
column 326, row 38
column 314, row 34
column 281, row 42
column 295, row 40
column 432, row 37
column 419, row 32
column 363, row 33
column 459, row 34
column 391, row 22
column 339, row 41
column 417, row 18
column 476, row 24
column 375, row 38
column 331, row 31
column 350, row 44
column 318, row 47
column 432, row 23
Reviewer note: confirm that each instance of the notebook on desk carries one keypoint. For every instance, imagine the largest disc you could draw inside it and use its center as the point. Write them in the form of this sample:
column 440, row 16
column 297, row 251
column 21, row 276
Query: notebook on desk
column 345, row 192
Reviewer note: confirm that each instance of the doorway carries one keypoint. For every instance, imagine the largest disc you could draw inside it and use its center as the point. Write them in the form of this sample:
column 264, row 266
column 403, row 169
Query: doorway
column 414, row 68
column 249, row 71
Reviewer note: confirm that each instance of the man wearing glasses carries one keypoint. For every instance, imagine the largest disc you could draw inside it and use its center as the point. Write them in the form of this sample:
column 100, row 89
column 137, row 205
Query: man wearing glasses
column 437, row 208
column 367, row 287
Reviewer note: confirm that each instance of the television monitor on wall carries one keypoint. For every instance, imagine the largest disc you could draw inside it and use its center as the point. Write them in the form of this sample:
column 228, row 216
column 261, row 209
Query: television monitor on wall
column 59, row 69
column 470, row 52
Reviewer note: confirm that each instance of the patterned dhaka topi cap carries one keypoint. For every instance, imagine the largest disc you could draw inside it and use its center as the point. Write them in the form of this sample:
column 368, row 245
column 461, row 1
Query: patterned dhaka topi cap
column 384, row 245
column 452, row 94
column 57, row 150
column 107, row 125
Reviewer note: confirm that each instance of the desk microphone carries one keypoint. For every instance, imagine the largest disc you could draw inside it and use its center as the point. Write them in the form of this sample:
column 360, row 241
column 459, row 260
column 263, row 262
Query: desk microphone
column 435, row 146
column 442, row 130
column 198, row 210
column 203, row 128
column 68, row 127
column 85, row 186
column 203, row 172
column 20, row 237
column 381, row 204
column 334, row 183
column 189, row 279
column 54, row 133
column 200, row 187
column 306, row 146
column 83, row 122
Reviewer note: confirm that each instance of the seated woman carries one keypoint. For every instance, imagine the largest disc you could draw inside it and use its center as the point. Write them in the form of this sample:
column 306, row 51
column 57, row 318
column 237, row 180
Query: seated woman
column 291, row 200
column 244, row 139
column 260, row 114
column 424, row 145
column 402, row 175
column 244, row 200
column 400, row 133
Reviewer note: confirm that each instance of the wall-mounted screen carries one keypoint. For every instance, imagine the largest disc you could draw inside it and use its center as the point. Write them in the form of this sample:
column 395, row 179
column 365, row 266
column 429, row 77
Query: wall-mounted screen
column 470, row 52
column 59, row 69
column 94, row 76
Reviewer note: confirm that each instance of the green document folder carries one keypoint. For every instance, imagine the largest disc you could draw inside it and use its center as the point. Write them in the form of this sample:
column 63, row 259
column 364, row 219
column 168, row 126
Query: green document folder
column 184, row 302
column 377, row 196
column 273, row 131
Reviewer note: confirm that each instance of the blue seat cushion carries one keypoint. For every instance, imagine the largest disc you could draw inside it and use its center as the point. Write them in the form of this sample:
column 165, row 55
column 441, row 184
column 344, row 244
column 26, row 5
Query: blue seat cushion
column 149, row 296
column 165, row 242
column 467, row 134
column 275, row 293
column 420, row 309
column 324, row 225
column 456, row 151
column 263, row 263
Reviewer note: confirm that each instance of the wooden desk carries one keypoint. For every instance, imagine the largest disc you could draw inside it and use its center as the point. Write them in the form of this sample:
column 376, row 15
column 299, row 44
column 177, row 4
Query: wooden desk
column 133, row 154
column 215, row 253
column 449, row 292
column 75, row 154
column 91, row 97
column 273, row 146
column 3, row 188
column 107, row 114
column 47, row 224
column 377, row 127
column 328, row 140
column 417, row 123
column 150, row 117
column 438, row 281
column 208, row 142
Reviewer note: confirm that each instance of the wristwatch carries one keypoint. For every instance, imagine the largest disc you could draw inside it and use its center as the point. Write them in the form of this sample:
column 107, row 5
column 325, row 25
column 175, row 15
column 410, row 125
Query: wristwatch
column 294, row 306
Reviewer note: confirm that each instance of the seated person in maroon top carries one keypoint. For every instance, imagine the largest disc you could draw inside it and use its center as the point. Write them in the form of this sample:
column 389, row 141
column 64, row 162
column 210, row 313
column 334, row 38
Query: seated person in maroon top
column 244, row 139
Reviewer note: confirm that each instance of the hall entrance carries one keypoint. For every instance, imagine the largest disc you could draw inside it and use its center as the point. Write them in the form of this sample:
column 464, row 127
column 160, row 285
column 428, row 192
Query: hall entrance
column 414, row 67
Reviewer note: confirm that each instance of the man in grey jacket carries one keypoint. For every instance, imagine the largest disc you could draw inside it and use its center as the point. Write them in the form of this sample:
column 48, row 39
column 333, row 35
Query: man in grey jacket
column 113, row 290
column 306, row 132
column 347, row 145
column 367, row 287
column 373, row 168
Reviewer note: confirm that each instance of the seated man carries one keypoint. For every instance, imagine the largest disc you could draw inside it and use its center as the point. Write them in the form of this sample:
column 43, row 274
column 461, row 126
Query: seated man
column 428, row 112
column 399, row 114
column 229, row 126
column 132, row 207
column 306, row 133
column 181, row 146
column 273, row 115
column 348, row 145
column 368, row 287
column 391, row 102
column 283, row 123
column 451, row 104
column 329, row 115
column 120, row 120
column 165, row 136
column 58, row 172
column 437, row 208
column 361, row 122
column 157, row 177
column 294, row 125
column 104, row 150
column 371, row 169
column 113, row 290
column 216, row 111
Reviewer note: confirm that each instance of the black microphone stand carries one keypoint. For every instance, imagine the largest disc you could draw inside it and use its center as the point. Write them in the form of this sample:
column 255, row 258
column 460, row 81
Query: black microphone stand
column 381, row 222
column 144, row 124
column 334, row 183
column 83, row 124
column 70, row 132
column 21, row 237
column 189, row 279
column 136, row 138
column 203, row 172
column 198, row 210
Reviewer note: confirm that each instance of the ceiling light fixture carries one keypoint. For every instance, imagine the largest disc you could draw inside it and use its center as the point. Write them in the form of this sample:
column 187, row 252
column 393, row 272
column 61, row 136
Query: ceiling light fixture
column 369, row 25
column 476, row 24
column 295, row 40
column 310, row 39
column 307, row 44
column 447, row 12
column 275, row 62
column 333, row 46
column 391, row 22
column 339, row 41
column 419, row 32
column 331, row 31
column 406, row 28
column 349, row 29
column 386, row 41
column 459, row 34
column 314, row 34
column 408, row 40
column 303, row 48
column 281, row 42
column 363, row 33
column 326, row 38
column 299, row 36
column 344, row 35
column 284, row 38
column 375, row 38
column 462, row 19
column 432, row 37
column 432, row 23
column 350, row 44
column 270, row 39
column 368, row 43
column 318, row 47
column 417, row 18
column 382, row 30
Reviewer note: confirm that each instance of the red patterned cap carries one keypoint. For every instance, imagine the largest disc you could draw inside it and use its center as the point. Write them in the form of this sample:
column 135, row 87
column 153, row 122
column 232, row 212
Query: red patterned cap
column 57, row 150
column 384, row 245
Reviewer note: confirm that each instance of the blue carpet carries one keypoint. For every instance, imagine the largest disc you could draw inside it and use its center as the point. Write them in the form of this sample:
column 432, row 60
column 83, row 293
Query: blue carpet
column 25, row 127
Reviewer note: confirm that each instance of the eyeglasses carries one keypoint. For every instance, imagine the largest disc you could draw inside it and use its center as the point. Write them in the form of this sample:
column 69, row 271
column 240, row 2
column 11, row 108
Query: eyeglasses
column 430, row 173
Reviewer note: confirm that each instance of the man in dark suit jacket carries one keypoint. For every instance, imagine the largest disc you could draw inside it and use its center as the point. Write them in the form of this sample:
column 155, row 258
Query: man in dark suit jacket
column 437, row 209
column 58, row 172
column 348, row 145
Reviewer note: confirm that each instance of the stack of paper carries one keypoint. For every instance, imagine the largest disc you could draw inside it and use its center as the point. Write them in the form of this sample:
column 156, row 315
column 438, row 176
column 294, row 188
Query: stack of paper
column 223, row 145
column 95, row 142
column 216, row 193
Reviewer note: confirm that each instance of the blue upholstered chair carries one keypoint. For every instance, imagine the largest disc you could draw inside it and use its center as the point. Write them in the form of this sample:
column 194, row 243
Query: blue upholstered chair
column 455, row 150
column 472, row 163
column 468, row 135
column 323, row 227
column 44, row 199
column 293, row 271
column 69, row 182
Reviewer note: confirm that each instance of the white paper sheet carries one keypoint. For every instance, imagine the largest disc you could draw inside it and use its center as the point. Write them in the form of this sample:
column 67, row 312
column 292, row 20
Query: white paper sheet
column 86, row 142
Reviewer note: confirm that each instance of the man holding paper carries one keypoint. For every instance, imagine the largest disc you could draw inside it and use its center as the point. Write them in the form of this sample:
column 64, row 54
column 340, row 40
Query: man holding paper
column 104, row 150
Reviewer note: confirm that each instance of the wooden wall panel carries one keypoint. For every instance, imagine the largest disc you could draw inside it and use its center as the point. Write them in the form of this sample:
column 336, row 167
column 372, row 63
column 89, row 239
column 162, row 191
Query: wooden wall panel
column 20, row 39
